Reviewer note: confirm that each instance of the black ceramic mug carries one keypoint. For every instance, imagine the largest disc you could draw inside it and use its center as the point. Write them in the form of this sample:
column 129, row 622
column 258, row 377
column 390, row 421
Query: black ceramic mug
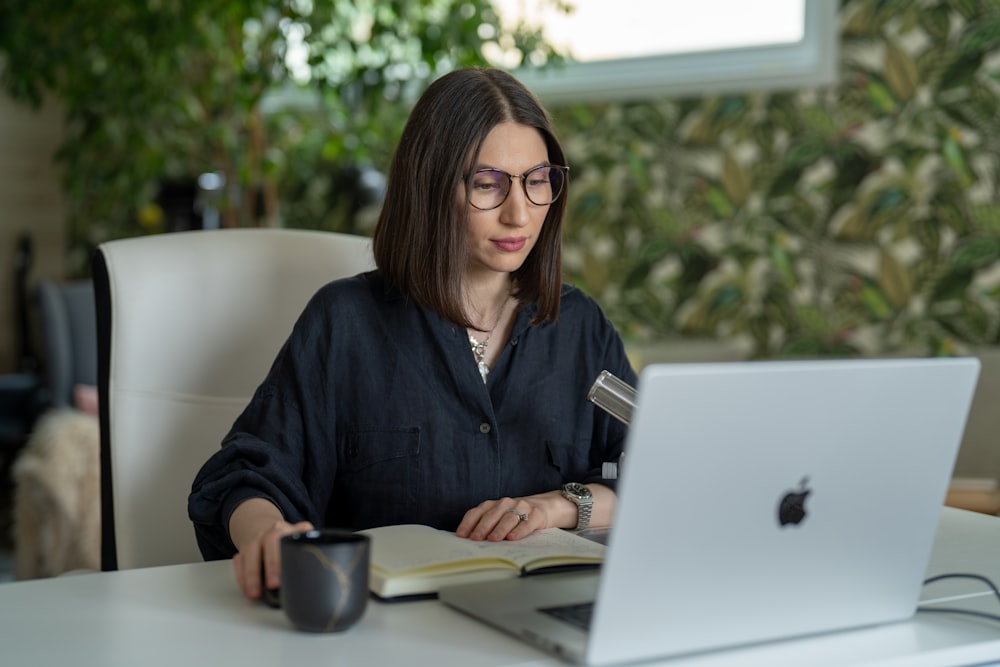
column 324, row 579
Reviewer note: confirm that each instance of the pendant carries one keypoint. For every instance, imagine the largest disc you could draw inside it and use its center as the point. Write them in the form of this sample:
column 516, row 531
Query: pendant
column 479, row 349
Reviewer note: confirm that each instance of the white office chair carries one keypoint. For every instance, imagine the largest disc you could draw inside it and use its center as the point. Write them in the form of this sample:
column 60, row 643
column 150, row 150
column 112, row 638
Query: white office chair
column 188, row 325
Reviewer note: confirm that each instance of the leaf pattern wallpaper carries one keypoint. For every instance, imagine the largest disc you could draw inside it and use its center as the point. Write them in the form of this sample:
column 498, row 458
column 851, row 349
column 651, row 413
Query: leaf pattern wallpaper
column 861, row 218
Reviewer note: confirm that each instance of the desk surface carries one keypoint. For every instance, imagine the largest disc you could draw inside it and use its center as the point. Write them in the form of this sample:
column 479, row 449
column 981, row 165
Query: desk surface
column 194, row 615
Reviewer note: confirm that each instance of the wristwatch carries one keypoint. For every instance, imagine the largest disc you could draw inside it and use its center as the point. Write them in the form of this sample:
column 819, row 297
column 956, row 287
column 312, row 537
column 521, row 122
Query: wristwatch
column 584, row 499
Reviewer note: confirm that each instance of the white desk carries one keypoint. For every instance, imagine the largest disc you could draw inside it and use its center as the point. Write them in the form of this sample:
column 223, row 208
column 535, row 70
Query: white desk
column 192, row 615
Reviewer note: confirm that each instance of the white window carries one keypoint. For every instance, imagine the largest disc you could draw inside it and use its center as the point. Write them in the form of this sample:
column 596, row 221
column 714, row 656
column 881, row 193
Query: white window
column 641, row 49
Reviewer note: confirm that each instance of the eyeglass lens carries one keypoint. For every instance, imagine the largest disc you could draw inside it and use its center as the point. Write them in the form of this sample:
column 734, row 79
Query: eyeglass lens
column 542, row 185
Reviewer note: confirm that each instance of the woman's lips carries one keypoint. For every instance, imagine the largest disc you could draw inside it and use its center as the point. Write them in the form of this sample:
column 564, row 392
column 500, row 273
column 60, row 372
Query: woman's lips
column 510, row 245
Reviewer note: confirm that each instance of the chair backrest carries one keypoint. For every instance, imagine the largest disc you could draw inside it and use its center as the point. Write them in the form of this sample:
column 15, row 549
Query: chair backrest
column 69, row 333
column 188, row 325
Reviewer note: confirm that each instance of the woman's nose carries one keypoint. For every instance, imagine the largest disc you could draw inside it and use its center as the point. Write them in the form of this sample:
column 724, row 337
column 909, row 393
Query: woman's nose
column 515, row 210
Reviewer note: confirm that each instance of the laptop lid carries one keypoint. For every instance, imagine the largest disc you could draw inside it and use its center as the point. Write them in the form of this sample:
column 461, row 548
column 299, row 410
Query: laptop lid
column 762, row 500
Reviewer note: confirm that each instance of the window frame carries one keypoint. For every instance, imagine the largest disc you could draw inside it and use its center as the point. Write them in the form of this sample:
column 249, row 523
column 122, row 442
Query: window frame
column 813, row 61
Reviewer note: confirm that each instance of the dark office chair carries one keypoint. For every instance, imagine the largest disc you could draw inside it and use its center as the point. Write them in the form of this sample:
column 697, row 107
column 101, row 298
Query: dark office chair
column 56, row 501
column 20, row 396
column 69, row 333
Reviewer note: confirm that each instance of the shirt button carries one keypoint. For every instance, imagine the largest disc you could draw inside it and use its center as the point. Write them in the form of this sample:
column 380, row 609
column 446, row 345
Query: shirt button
column 484, row 427
column 513, row 341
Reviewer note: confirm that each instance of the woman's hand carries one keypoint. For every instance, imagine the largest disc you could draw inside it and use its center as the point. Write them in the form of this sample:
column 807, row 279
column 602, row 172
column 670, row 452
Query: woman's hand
column 256, row 528
column 503, row 519
column 516, row 518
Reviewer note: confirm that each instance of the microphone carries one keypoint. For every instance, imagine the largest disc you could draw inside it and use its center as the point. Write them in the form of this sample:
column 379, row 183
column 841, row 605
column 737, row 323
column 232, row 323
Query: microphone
column 617, row 398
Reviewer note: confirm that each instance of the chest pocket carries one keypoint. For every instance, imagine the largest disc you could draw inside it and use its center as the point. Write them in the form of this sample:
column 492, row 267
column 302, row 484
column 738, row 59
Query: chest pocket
column 570, row 461
column 379, row 475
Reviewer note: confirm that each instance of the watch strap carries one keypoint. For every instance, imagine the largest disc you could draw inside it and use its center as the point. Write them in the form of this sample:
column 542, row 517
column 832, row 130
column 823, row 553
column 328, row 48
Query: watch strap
column 584, row 510
column 584, row 504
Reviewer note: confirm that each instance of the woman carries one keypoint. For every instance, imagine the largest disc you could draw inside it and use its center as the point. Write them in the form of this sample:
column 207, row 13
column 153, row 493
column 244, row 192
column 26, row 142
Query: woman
column 448, row 386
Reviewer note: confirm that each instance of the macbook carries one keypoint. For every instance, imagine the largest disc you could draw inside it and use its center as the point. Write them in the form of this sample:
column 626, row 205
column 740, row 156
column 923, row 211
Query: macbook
column 756, row 501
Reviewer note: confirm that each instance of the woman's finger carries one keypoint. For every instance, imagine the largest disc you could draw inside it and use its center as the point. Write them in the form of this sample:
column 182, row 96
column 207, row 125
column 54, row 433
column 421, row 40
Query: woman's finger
column 530, row 520
column 271, row 552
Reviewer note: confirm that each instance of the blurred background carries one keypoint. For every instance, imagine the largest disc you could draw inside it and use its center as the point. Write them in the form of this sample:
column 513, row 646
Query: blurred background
column 848, row 209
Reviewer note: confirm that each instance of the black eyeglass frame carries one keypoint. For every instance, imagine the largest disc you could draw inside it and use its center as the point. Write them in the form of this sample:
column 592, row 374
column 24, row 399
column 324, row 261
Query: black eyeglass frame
column 564, row 170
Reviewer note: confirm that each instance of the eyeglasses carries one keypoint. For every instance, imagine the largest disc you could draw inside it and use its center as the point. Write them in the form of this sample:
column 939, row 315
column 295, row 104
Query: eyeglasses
column 488, row 188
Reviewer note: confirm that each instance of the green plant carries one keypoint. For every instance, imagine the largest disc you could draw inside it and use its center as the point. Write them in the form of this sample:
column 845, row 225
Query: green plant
column 863, row 218
column 169, row 89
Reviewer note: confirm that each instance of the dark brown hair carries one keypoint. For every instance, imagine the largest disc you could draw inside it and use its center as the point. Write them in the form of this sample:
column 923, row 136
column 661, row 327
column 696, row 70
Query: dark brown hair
column 420, row 241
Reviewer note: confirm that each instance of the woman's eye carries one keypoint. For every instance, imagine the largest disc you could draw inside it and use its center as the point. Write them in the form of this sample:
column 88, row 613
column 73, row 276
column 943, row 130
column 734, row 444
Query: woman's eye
column 537, row 178
column 485, row 185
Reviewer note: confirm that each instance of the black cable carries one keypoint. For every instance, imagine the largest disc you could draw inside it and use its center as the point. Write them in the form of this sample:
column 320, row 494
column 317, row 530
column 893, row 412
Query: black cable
column 954, row 610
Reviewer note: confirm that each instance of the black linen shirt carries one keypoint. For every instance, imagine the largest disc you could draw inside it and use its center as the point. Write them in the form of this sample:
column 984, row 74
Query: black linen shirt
column 374, row 413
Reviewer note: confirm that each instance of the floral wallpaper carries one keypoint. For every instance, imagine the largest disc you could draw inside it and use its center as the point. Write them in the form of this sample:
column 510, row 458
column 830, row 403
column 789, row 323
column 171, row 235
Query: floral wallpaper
column 856, row 219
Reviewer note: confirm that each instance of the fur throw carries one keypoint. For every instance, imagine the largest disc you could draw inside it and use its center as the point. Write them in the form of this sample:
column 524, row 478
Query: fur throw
column 57, row 497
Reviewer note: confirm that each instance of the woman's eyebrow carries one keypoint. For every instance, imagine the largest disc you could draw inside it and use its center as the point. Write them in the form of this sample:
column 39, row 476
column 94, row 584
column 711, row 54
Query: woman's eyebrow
column 481, row 167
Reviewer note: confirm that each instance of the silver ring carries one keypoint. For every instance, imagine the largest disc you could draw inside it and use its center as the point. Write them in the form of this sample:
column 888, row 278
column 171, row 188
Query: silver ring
column 521, row 516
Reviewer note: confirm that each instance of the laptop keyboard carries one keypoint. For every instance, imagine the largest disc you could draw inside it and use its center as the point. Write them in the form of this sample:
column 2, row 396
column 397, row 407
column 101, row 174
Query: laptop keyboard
column 578, row 614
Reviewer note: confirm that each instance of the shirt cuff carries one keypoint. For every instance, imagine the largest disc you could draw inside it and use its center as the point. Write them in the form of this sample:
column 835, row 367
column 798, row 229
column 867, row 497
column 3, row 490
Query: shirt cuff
column 234, row 499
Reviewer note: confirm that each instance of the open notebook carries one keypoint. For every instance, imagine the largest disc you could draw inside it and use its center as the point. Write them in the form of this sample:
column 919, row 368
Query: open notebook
column 757, row 501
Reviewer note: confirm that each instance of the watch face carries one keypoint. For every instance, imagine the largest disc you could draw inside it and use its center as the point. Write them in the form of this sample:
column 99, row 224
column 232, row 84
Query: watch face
column 578, row 490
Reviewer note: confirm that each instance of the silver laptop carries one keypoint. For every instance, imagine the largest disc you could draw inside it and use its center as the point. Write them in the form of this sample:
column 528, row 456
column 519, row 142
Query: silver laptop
column 757, row 501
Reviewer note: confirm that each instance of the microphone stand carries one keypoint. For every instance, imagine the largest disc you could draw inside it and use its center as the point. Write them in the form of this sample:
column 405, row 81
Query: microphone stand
column 617, row 398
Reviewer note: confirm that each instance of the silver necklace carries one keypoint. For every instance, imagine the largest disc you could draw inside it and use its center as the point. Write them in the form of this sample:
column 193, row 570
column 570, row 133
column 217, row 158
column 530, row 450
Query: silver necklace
column 479, row 347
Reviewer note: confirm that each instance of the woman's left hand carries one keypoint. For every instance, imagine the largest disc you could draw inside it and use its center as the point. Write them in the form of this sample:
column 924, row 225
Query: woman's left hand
column 512, row 518
column 515, row 518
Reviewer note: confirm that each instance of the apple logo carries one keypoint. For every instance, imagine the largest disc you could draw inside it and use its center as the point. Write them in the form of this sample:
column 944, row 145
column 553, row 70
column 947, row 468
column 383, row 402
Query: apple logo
column 792, row 508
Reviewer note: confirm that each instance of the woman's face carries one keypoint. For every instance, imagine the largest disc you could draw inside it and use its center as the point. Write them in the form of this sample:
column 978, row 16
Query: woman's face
column 501, row 238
